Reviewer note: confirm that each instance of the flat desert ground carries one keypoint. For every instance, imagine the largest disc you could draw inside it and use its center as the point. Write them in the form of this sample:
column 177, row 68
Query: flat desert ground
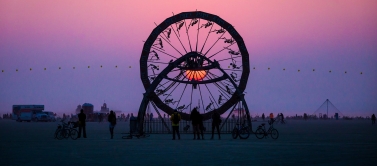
column 312, row 142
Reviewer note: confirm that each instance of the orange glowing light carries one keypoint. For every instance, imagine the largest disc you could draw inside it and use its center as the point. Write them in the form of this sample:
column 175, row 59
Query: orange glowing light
column 196, row 75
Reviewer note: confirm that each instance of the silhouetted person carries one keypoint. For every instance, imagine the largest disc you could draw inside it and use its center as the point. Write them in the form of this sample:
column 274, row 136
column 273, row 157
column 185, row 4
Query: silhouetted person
column 113, row 121
column 82, row 123
column 282, row 118
column 132, row 117
column 175, row 118
column 194, row 117
column 201, row 125
column 271, row 117
column 373, row 119
column 100, row 118
column 263, row 116
column 215, row 123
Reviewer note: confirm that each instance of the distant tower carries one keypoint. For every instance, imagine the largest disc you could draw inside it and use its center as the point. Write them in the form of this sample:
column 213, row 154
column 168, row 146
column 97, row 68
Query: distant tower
column 104, row 109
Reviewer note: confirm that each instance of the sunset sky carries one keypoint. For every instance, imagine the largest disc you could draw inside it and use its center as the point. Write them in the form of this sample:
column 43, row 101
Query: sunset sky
column 336, row 35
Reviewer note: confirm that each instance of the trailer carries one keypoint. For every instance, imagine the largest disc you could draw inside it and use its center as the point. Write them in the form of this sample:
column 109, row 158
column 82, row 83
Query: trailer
column 26, row 112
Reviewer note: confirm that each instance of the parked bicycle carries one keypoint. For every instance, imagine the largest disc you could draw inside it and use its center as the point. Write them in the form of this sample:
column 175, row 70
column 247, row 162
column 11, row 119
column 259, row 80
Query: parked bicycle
column 66, row 130
column 241, row 130
column 262, row 133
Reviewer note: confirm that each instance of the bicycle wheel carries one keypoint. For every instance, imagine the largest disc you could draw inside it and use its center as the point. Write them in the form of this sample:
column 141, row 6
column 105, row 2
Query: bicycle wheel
column 74, row 134
column 235, row 133
column 274, row 134
column 58, row 134
column 62, row 133
column 259, row 133
column 244, row 133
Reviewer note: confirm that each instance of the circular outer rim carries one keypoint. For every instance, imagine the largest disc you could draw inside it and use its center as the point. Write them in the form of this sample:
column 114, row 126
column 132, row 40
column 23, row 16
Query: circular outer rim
column 190, row 15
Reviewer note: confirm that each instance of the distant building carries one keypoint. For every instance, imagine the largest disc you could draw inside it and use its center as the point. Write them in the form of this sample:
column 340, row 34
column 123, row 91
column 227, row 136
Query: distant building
column 88, row 108
column 104, row 109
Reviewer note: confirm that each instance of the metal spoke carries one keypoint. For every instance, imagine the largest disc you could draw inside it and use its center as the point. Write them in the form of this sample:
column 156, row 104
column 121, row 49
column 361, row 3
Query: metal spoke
column 188, row 36
column 197, row 37
column 158, row 49
column 162, row 85
column 228, row 58
column 233, row 69
column 212, row 96
column 216, row 76
column 218, row 86
column 162, row 32
column 221, row 49
column 181, row 95
column 207, row 37
column 158, row 62
column 178, row 38
column 214, row 44
column 175, row 86
column 201, row 97
column 170, row 44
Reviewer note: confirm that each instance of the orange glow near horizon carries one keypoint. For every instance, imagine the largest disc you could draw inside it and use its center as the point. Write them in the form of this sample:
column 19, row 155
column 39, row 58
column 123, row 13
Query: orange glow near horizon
column 196, row 75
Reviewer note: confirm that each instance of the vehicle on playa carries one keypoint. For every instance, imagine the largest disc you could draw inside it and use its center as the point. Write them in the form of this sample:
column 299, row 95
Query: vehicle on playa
column 51, row 116
column 26, row 112
column 41, row 117
column 32, row 113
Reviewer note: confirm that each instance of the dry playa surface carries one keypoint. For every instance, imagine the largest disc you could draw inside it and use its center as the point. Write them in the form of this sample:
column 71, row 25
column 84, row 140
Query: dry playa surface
column 312, row 142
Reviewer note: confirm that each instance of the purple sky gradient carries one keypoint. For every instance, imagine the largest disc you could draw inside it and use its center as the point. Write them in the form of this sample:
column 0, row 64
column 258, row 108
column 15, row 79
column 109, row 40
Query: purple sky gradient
column 323, row 35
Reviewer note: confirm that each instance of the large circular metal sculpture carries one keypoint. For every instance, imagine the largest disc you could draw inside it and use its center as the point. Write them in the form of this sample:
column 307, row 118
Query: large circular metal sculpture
column 194, row 59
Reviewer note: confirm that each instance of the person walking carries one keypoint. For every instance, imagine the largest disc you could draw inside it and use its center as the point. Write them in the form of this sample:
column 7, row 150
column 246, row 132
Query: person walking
column 82, row 123
column 373, row 119
column 175, row 118
column 113, row 121
column 194, row 117
column 215, row 123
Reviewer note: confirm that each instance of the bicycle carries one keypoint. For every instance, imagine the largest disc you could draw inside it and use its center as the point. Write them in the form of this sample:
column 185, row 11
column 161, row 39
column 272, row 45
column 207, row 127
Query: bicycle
column 66, row 130
column 241, row 130
column 261, row 131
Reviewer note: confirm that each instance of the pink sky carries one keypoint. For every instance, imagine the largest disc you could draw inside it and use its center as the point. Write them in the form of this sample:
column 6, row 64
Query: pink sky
column 327, row 35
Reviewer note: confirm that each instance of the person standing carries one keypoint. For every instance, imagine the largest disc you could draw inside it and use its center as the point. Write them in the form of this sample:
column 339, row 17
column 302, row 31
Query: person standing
column 271, row 118
column 215, row 123
column 263, row 116
column 373, row 119
column 282, row 118
column 82, row 123
column 201, row 125
column 100, row 117
column 175, row 118
column 194, row 117
column 113, row 121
